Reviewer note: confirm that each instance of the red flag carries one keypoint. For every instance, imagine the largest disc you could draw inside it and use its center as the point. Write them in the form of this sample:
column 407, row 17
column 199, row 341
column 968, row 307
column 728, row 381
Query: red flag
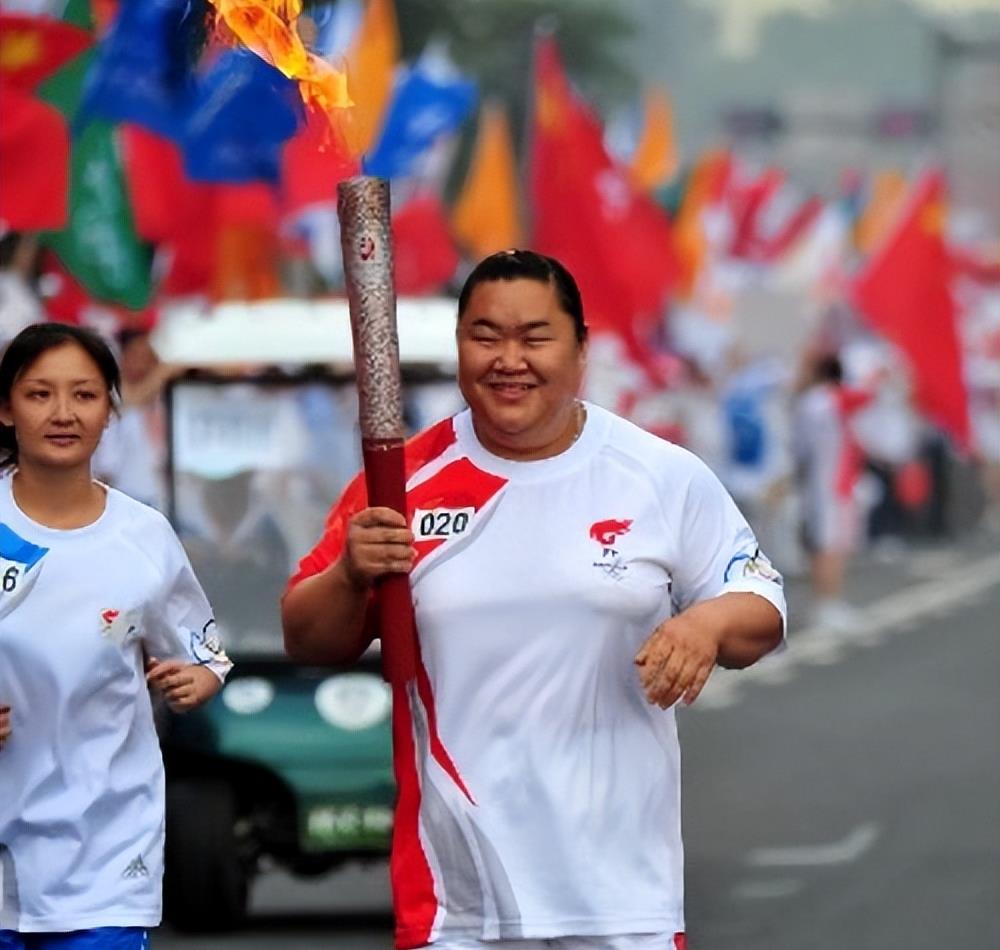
column 748, row 202
column 314, row 160
column 32, row 48
column 904, row 292
column 425, row 255
column 165, row 202
column 33, row 191
column 615, row 240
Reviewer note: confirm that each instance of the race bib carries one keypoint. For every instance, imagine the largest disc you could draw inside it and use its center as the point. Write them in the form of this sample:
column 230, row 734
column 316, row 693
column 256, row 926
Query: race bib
column 20, row 565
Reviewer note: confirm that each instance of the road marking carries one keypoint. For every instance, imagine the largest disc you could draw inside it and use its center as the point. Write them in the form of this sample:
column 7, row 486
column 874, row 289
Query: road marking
column 840, row 852
column 767, row 890
column 813, row 645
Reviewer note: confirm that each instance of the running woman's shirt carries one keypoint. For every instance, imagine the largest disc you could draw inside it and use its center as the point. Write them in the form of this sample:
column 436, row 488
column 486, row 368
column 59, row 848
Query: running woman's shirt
column 82, row 801
column 539, row 790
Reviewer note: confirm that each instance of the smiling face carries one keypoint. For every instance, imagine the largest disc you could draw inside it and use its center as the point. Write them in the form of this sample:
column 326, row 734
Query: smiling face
column 519, row 368
column 59, row 407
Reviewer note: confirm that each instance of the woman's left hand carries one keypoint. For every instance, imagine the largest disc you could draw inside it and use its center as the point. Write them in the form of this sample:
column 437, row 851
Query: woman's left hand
column 184, row 685
column 677, row 660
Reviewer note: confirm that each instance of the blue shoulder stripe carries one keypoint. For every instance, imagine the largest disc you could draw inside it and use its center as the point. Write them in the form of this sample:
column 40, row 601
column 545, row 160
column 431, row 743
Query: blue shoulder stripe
column 14, row 548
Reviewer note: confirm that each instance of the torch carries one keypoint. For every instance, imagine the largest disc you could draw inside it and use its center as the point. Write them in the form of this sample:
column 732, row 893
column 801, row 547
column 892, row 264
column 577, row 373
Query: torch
column 365, row 237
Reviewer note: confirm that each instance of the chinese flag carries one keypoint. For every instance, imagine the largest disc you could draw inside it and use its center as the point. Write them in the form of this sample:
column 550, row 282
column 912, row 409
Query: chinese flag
column 32, row 48
column 34, row 192
column 904, row 291
column 425, row 255
column 613, row 239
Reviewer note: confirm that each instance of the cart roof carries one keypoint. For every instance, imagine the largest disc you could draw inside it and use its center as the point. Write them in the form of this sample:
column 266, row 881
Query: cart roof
column 290, row 331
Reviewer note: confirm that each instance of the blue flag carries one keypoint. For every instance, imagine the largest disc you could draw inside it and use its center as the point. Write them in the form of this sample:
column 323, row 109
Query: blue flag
column 142, row 71
column 424, row 106
column 243, row 112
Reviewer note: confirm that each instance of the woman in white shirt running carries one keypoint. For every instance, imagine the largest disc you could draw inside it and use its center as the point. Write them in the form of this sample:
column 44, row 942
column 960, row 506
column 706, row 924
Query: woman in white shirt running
column 97, row 600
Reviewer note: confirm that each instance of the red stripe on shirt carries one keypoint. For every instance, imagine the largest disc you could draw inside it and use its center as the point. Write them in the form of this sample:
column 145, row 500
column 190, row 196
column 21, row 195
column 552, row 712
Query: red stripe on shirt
column 414, row 901
column 421, row 449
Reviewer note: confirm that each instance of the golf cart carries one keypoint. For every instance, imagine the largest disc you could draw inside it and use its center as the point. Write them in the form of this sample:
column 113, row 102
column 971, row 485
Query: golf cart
column 289, row 765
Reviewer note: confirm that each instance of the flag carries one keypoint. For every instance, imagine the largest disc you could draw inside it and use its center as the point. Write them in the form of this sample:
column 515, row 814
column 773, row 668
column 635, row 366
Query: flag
column 371, row 61
column 424, row 253
column 242, row 113
column 33, row 193
column 32, row 48
column 706, row 184
column 165, row 202
column 142, row 70
column 888, row 192
column 312, row 162
column 613, row 239
column 98, row 244
column 904, row 291
column 747, row 201
column 485, row 218
column 655, row 159
column 429, row 101
column 788, row 232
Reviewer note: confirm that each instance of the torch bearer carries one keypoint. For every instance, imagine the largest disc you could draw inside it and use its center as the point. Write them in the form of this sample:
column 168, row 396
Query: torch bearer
column 365, row 237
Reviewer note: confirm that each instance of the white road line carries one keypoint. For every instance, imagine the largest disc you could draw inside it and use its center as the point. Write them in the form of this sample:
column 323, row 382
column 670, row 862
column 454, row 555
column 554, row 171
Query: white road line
column 840, row 852
column 767, row 890
column 812, row 645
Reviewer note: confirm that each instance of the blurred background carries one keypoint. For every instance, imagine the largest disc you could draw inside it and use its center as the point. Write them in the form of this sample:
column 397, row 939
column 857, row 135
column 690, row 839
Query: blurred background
column 785, row 219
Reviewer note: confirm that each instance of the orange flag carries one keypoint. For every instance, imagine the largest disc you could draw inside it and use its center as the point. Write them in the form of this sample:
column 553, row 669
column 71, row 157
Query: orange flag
column 655, row 160
column 707, row 181
column 904, row 291
column 888, row 191
column 485, row 217
column 371, row 62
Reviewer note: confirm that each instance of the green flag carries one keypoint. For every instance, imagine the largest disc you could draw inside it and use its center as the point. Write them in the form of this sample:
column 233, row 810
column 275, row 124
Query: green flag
column 99, row 245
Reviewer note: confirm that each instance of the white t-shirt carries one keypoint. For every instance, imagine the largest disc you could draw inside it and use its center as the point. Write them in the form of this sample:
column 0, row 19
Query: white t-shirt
column 539, row 791
column 82, row 807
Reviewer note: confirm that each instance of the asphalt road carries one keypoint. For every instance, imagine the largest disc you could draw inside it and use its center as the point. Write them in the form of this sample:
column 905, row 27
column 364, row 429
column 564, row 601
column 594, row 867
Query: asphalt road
column 844, row 794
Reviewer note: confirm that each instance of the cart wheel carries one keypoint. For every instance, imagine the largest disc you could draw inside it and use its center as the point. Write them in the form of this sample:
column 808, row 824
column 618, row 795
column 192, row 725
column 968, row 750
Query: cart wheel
column 204, row 883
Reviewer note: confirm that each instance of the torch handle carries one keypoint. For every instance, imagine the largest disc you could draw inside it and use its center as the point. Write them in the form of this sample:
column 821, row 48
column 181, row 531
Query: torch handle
column 386, row 481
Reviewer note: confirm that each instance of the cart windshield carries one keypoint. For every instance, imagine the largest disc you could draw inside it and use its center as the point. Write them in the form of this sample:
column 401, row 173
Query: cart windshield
column 254, row 466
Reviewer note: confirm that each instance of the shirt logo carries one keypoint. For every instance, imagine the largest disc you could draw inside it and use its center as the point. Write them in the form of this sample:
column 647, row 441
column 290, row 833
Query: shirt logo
column 117, row 626
column 751, row 565
column 136, row 868
column 606, row 534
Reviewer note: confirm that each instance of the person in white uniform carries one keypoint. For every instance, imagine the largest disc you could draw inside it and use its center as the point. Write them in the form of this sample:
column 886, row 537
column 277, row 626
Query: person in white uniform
column 573, row 578
column 97, row 599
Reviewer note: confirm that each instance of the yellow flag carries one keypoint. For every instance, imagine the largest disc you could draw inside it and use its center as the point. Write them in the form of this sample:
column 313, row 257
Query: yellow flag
column 370, row 64
column 887, row 194
column 485, row 218
column 655, row 158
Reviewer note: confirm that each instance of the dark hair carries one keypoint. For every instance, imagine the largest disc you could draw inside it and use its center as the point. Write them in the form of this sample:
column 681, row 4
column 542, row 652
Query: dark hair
column 30, row 344
column 517, row 264
column 829, row 369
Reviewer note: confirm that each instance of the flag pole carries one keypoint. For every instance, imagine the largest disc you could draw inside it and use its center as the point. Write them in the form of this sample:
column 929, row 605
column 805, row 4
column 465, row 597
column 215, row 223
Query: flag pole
column 363, row 204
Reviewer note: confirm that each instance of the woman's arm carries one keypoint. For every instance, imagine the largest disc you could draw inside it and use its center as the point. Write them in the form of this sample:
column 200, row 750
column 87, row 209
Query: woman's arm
column 732, row 630
column 324, row 616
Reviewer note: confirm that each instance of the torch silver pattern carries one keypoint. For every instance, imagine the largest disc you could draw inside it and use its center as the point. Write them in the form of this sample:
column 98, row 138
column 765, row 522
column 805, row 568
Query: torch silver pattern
column 365, row 240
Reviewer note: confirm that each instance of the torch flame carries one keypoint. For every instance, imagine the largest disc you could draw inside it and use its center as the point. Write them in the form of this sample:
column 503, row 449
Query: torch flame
column 268, row 28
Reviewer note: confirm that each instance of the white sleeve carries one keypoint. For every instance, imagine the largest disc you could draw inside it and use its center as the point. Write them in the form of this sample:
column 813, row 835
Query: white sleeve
column 717, row 551
column 180, row 624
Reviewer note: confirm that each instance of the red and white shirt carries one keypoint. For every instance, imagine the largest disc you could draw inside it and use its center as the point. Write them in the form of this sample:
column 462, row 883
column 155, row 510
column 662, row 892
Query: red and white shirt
column 539, row 791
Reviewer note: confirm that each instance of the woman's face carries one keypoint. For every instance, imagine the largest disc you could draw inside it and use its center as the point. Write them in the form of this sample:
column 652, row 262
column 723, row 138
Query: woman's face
column 520, row 368
column 59, row 407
